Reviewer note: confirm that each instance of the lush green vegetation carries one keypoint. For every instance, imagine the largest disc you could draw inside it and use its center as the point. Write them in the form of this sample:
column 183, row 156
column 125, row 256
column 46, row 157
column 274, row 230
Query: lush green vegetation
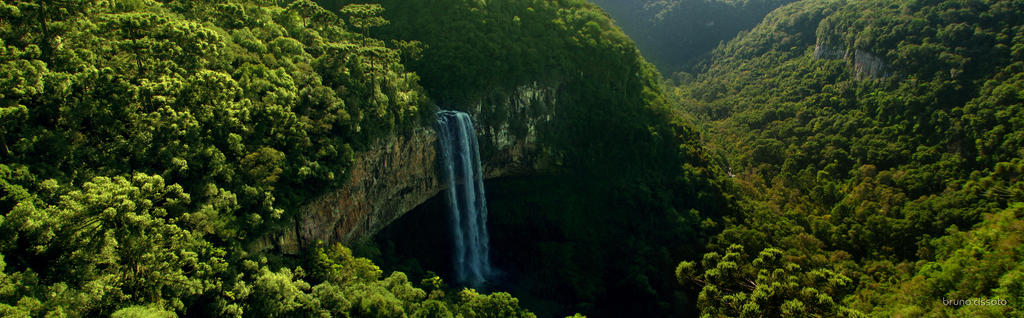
column 148, row 148
column 146, row 145
column 864, row 158
column 877, row 193
column 631, row 180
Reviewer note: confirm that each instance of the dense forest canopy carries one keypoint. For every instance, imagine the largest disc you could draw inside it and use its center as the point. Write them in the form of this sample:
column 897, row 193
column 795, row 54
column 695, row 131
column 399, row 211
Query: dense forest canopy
column 877, row 146
column 147, row 144
column 840, row 158
column 633, row 180
column 148, row 147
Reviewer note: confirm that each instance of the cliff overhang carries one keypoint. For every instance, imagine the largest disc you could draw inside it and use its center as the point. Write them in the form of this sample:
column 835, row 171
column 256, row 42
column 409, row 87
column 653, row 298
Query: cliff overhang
column 399, row 171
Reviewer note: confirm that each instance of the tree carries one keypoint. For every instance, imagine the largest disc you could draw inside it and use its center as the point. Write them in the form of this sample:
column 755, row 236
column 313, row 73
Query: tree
column 280, row 294
column 116, row 241
column 474, row 305
column 364, row 17
column 143, row 312
column 768, row 286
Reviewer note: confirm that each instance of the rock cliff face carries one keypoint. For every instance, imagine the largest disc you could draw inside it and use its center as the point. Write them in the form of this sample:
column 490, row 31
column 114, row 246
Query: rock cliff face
column 400, row 172
column 826, row 52
column 869, row 66
column 865, row 64
column 508, row 126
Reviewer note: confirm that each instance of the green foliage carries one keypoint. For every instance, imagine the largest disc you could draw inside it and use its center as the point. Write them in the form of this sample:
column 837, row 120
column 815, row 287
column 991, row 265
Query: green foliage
column 113, row 241
column 631, row 179
column 984, row 262
column 874, row 140
column 144, row 144
column 473, row 52
column 143, row 312
column 262, row 106
column 769, row 286
column 364, row 16
column 337, row 265
column 475, row 305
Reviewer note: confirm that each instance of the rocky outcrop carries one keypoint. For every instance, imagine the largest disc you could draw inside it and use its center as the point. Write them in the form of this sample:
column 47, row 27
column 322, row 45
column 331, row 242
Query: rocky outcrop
column 395, row 175
column 507, row 126
column 865, row 65
column 869, row 66
column 400, row 172
column 826, row 52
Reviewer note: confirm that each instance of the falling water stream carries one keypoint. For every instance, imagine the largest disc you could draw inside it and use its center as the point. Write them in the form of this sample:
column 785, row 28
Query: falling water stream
column 460, row 165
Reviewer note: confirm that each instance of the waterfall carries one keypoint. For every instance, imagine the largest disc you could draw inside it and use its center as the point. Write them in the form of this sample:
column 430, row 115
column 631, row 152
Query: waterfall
column 460, row 162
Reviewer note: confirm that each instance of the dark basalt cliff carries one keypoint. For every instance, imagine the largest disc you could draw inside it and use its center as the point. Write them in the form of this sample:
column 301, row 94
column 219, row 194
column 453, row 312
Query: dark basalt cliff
column 399, row 171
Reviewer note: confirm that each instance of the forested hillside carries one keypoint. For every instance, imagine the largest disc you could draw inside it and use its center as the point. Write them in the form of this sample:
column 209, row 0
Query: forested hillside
column 841, row 158
column 876, row 147
column 148, row 148
column 145, row 144
column 602, row 234
column 678, row 35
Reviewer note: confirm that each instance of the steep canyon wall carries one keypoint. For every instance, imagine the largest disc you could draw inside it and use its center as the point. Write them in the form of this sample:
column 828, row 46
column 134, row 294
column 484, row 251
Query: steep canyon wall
column 400, row 171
